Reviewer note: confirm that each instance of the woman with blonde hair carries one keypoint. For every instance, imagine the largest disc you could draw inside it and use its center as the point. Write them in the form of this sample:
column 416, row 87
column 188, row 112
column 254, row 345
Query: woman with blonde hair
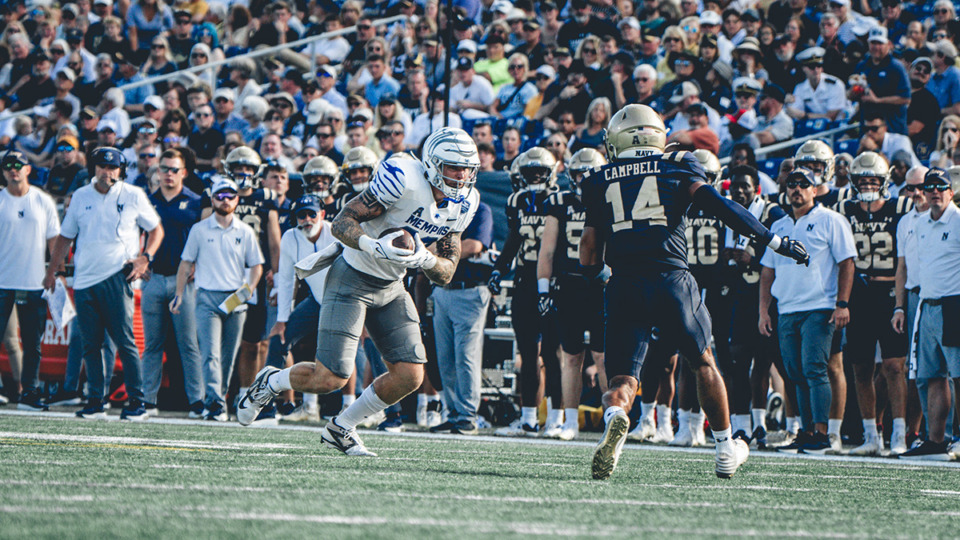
column 389, row 110
column 591, row 134
column 947, row 153
column 556, row 144
column 200, row 55
column 674, row 42
column 237, row 29
column 691, row 27
column 588, row 51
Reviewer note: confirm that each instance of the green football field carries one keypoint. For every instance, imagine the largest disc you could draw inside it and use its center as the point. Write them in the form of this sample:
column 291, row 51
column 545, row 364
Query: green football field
column 170, row 478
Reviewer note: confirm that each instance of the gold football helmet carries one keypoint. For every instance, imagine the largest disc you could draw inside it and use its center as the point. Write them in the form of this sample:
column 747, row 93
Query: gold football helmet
column 869, row 165
column 635, row 131
column 537, row 168
column 710, row 164
column 816, row 156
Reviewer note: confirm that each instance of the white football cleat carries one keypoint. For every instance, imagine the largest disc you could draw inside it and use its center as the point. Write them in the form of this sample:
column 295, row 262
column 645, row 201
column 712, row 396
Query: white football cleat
column 569, row 433
column 552, row 431
column 898, row 445
column 343, row 440
column 684, row 438
column 836, row 444
column 258, row 395
column 422, row 416
column 954, row 451
column 728, row 463
column 372, row 421
column 303, row 414
column 870, row 447
column 517, row 429
column 644, row 430
column 607, row 454
column 664, row 434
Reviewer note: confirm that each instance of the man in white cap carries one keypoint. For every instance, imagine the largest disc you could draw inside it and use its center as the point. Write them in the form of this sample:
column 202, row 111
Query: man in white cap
column 65, row 80
column 224, row 119
column 888, row 90
column 154, row 108
column 821, row 95
column 472, row 96
column 687, row 94
column 945, row 80
column 710, row 23
column 326, row 79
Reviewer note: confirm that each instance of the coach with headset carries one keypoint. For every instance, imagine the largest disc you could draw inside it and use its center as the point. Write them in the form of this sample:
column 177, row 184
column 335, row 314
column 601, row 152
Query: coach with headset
column 105, row 218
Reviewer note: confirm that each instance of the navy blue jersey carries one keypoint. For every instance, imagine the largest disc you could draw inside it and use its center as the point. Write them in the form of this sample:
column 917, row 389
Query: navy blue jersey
column 285, row 215
column 567, row 208
column 742, row 277
column 639, row 207
column 704, row 242
column 526, row 213
column 875, row 234
column 341, row 196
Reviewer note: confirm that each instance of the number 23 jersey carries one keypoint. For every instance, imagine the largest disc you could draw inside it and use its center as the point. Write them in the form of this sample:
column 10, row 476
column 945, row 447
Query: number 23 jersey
column 639, row 207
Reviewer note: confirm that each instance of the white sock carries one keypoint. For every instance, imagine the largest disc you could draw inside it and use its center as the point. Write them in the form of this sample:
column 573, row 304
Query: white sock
column 699, row 418
column 724, row 440
column 278, row 382
column 759, row 418
column 870, row 429
column 554, row 416
column 610, row 413
column 740, row 422
column 310, row 400
column 369, row 403
column 647, row 410
column 833, row 426
column 421, row 401
column 899, row 429
column 793, row 424
column 683, row 416
column 571, row 417
column 528, row 415
column 664, row 414
column 349, row 398
column 435, row 397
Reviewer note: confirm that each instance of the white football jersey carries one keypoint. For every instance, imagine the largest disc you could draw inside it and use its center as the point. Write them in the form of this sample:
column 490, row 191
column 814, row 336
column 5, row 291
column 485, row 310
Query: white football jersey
column 401, row 187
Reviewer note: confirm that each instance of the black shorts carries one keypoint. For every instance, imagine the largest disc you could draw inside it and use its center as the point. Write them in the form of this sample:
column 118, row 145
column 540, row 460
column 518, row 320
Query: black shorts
column 579, row 307
column 871, row 306
column 745, row 316
column 653, row 316
column 255, row 327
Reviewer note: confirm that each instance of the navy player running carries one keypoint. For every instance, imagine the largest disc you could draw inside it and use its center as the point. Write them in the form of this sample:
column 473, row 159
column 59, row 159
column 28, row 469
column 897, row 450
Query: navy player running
column 636, row 223
column 874, row 217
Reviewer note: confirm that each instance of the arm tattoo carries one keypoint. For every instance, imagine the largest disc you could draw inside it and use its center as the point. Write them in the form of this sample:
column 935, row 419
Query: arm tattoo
column 448, row 256
column 346, row 226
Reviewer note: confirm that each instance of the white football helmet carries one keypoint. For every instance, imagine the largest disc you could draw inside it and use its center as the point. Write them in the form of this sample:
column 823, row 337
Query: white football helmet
column 710, row 164
column 538, row 169
column 358, row 159
column 516, row 182
column 816, row 156
column 246, row 159
column 869, row 165
column 582, row 161
column 319, row 174
column 635, row 131
column 451, row 146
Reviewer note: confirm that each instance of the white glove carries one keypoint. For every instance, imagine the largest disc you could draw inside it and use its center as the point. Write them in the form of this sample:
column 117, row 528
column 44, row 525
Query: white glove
column 421, row 258
column 383, row 248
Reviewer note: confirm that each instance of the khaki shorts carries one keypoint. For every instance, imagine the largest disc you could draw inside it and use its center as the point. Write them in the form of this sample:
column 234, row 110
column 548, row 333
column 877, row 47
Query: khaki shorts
column 352, row 299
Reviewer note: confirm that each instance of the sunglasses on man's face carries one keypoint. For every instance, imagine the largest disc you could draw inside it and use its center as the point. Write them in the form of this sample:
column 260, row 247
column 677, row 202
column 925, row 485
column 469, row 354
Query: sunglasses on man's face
column 364, row 27
column 198, row 55
column 324, row 135
column 802, row 184
column 930, row 188
column 168, row 169
column 873, row 128
column 921, row 71
column 183, row 22
column 306, row 213
column 225, row 196
column 12, row 166
column 158, row 46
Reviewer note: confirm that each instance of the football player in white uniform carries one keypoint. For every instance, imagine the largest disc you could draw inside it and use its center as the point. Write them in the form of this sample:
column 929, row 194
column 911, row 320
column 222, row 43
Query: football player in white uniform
column 434, row 199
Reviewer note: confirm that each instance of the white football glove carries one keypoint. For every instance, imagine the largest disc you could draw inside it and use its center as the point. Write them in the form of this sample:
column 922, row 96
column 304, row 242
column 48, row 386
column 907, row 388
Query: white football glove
column 421, row 258
column 384, row 249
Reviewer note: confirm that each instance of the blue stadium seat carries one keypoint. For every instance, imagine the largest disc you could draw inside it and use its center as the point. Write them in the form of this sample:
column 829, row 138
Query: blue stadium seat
column 770, row 166
column 534, row 129
column 846, row 145
column 811, row 126
column 467, row 125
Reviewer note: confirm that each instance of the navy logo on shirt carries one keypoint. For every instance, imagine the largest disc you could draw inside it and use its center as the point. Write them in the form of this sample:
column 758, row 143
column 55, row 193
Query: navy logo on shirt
column 945, row 236
column 810, row 227
column 183, row 205
column 237, row 240
column 119, row 208
column 20, row 215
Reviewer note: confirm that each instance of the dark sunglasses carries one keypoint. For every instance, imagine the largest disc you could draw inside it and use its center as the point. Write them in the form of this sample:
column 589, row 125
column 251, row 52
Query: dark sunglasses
column 873, row 128
column 910, row 188
column 921, row 71
column 324, row 135
column 12, row 166
column 589, row 51
column 930, row 188
column 274, row 118
column 221, row 100
column 64, row 148
column 158, row 46
column 168, row 169
column 283, row 105
column 669, row 39
column 515, row 66
column 198, row 55
column 183, row 22
column 225, row 196
column 364, row 26
column 941, row 11
column 951, row 129
column 802, row 184
column 147, row 156
column 306, row 213
column 73, row 65
column 743, row 95
column 57, row 51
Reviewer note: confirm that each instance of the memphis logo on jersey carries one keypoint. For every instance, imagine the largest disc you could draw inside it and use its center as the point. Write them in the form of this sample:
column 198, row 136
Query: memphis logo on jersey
column 426, row 229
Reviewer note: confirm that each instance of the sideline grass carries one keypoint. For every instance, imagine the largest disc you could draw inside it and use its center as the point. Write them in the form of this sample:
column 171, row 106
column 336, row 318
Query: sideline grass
column 65, row 478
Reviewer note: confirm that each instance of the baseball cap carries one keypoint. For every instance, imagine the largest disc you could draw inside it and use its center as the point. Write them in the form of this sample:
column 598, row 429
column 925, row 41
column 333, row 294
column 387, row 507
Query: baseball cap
column 68, row 73
column 936, row 175
column 801, row 173
column 104, row 125
column 632, row 22
column 74, row 34
column 227, row 93
column 547, row 71
column 154, row 101
column 696, row 108
column 222, row 183
column 315, row 111
column 878, row 34
column 685, row 90
column 327, row 70
column 710, row 18
column 307, row 202
column 14, row 156
column 773, row 91
column 750, row 15
column 468, row 45
column 108, row 156
column 923, row 60
column 69, row 139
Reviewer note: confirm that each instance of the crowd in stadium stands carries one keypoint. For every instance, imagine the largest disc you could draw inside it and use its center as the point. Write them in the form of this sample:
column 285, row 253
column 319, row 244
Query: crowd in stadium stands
column 533, row 83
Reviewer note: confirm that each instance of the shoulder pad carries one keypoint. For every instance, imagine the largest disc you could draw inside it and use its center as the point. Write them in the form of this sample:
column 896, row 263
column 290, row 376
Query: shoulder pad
column 904, row 205
column 512, row 199
column 268, row 194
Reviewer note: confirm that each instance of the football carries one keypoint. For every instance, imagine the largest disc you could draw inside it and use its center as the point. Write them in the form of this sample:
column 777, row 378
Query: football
column 404, row 241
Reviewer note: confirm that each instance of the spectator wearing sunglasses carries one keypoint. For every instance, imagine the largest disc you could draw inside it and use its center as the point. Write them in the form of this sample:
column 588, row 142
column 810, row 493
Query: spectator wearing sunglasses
column 937, row 341
column 66, row 167
column 811, row 300
column 944, row 20
column 923, row 114
column 225, row 119
column 947, row 152
column 223, row 254
column 945, row 80
column 205, row 139
column 877, row 138
column 148, row 157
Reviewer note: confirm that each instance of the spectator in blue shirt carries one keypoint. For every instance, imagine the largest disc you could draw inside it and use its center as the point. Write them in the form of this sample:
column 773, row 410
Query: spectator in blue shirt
column 944, row 84
column 380, row 83
column 129, row 72
column 888, row 84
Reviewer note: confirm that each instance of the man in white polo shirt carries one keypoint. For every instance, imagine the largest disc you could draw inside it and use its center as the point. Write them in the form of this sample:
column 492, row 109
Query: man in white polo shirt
column 223, row 254
column 938, row 328
column 28, row 225
column 105, row 218
column 812, row 302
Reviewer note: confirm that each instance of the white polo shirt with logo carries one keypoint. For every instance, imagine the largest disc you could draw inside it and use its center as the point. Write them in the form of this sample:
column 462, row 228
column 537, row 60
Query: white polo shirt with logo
column 907, row 246
column 828, row 238
column 222, row 255
column 107, row 228
column 938, row 253
column 26, row 224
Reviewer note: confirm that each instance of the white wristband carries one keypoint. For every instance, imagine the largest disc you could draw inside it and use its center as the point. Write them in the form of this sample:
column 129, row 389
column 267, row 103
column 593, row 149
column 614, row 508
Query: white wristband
column 543, row 285
column 429, row 262
column 774, row 243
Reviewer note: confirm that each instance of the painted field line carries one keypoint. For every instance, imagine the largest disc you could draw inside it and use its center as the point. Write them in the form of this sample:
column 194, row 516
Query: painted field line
column 158, row 487
column 103, row 439
column 441, row 438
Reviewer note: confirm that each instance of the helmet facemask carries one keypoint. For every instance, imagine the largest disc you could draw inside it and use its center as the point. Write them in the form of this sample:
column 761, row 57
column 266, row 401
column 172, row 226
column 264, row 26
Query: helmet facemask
column 456, row 190
column 358, row 178
column 245, row 175
column 318, row 184
column 878, row 186
column 536, row 177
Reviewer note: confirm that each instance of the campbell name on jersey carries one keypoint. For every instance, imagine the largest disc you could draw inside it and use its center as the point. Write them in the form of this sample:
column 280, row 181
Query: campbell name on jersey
column 567, row 208
column 401, row 187
column 527, row 213
column 875, row 234
column 639, row 206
